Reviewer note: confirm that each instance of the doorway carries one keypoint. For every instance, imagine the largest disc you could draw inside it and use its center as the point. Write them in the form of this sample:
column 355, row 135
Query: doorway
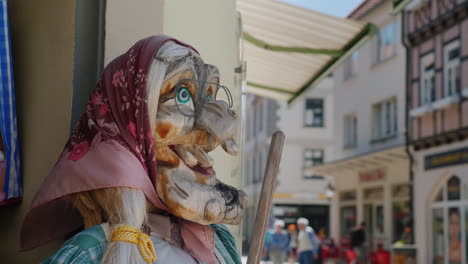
column 374, row 215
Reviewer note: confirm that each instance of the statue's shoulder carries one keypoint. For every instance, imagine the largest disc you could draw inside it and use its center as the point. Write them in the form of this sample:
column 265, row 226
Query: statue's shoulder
column 87, row 246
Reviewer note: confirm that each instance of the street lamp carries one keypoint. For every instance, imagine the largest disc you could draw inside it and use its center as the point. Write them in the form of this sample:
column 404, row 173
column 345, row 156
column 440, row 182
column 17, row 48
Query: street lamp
column 330, row 191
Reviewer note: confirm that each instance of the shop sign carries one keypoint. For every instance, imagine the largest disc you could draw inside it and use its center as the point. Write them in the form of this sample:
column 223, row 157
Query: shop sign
column 450, row 158
column 372, row 175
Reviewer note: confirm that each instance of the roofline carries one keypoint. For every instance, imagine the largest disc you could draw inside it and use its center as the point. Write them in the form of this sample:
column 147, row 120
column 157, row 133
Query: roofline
column 357, row 8
column 381, row 2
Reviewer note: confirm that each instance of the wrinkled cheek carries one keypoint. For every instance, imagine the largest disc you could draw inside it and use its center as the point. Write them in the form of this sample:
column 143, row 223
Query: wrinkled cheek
column 170, row 129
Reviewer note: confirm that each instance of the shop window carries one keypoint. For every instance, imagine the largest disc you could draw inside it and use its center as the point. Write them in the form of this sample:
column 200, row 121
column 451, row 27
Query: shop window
column 387, row 41
column 452, row 68
column 312, row 157
column 453, row 188
column 313, row 115
column 351, row 65
column 402, row 226
column 385, row 119
column 454, row 246
column 373, row 194
column 350, row 131
column 450, row 223
column 348, row 196
column 427, row 85
column 438, row 235
column 347, row 220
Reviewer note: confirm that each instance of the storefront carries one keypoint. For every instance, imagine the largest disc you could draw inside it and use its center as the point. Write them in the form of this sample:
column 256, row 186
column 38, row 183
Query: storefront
column 441, row 199
column 318, row 215
column 373, row 188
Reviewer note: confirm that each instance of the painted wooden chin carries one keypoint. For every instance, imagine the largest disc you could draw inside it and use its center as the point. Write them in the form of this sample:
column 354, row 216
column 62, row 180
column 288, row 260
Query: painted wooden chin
column 199, row 198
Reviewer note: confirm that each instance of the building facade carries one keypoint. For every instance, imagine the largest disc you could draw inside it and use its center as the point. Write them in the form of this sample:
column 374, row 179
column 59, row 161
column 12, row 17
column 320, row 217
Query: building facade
column 308, row 126
column 260, row 123
column 436, row 36
column 370, row 167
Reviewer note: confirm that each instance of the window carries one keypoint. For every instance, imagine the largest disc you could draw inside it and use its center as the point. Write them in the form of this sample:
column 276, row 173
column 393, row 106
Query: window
column 313, row 116
column 348, row 219
column 312, row 157
column 427, row 83
column 351, row 65
column 350, row 131
column 386, row 41
column 449, row 222
column 452, row 68
column 385, row 119
column 402, row 230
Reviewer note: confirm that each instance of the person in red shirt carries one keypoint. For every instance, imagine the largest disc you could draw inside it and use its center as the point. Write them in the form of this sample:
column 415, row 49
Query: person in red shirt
column 380, row 256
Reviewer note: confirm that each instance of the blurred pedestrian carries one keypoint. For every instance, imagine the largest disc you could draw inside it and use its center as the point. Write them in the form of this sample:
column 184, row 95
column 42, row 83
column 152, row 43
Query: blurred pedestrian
column 380, row 256
column 278, row 243
column 292, row 243
column 307, row 242
column 358, row 242
column 330, row 252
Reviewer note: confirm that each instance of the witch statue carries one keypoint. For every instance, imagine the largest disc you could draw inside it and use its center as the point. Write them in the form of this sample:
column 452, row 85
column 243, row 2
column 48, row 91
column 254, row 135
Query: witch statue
column 135, row 183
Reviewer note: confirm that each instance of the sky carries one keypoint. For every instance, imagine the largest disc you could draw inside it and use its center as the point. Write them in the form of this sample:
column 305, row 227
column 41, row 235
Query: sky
column 339, row 8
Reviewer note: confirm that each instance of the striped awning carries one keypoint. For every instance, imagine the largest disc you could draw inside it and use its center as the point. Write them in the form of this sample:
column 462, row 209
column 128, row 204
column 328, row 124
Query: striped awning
column 289, row 49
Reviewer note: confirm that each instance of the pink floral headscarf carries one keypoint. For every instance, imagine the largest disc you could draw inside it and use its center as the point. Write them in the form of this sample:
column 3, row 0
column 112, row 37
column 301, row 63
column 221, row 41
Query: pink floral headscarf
column 112, row 146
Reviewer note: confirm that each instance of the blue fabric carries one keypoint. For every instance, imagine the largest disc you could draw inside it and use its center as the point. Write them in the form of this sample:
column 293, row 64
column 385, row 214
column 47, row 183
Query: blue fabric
column 306, row 257
column 226, row 244
column 8, row 130
column 277, row 240
column 314, row 242
column 86, row 247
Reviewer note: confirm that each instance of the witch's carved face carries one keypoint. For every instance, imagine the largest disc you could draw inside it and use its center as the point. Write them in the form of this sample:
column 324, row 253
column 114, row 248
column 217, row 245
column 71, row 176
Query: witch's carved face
column 191, row 121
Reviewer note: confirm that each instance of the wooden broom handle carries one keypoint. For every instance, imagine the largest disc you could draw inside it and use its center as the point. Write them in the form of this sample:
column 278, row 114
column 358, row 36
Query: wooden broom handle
column 266, row 196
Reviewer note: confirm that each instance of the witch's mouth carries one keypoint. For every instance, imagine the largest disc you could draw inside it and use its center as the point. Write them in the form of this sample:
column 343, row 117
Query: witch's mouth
column 195, row 159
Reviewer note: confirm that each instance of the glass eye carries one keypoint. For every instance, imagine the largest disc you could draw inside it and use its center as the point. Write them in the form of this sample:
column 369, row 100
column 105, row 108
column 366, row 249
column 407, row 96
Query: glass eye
column 183, row 95
column 208, row 97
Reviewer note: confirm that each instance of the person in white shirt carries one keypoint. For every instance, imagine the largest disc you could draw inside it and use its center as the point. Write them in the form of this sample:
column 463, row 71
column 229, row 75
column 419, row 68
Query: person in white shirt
column 307, row 242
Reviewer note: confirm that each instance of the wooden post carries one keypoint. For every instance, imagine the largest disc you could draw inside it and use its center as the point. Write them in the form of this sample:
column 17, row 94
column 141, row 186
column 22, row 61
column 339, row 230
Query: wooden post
column 266, row 195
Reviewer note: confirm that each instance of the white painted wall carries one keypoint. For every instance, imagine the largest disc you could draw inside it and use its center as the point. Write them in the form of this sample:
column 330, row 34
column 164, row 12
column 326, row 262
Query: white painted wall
column 299, row 138
column 372, row 84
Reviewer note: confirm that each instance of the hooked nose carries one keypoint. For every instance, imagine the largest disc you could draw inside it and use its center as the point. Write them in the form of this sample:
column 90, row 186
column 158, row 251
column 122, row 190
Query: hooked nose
column 219, row 120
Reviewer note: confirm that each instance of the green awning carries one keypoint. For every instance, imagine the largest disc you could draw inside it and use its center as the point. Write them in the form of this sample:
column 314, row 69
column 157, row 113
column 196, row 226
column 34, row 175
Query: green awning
column 289, row 49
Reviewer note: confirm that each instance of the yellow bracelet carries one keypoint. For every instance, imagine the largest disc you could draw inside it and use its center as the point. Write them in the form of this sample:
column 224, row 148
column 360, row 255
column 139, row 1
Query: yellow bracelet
column 134, row 235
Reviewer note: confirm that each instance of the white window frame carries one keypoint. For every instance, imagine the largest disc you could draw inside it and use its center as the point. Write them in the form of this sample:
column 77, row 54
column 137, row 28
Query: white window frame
column 392, row 29
column 311, row 159
column 311, row 112
column 350, row 66
column 385, row 119
column 451, row 67
column 350, row 137
column 427, row 79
